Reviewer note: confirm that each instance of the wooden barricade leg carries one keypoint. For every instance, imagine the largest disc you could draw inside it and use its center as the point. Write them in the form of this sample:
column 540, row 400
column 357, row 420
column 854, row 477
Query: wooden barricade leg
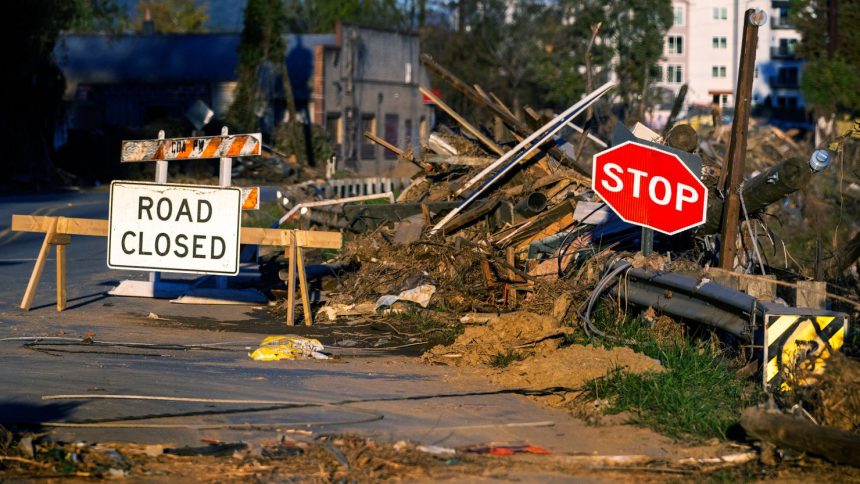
column 60, row 242
column 303, row 286
column 30, row 293
column 291, row 284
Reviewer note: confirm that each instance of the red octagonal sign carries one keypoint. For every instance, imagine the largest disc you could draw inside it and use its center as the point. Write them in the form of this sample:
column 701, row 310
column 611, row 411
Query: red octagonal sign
column 649, row 187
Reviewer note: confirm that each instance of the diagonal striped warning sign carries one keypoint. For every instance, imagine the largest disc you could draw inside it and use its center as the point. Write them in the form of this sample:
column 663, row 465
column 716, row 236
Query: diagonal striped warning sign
column 796, row 347
column 191, row 148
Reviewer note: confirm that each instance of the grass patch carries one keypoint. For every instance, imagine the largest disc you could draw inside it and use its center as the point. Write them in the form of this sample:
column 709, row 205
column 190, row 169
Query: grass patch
column 698, row 396
column 268, row 214
column 433, row 330
column 502, row 360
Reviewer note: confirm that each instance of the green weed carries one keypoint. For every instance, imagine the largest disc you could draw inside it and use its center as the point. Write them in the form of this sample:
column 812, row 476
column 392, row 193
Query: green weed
column 697, row 396
column 502, row 360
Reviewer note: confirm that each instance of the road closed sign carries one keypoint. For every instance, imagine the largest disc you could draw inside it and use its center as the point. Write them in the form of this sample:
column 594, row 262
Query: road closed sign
column 174, row 228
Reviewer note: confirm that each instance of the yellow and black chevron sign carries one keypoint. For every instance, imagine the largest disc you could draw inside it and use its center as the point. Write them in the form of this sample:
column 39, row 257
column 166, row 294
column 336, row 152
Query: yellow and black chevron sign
column 796, row 347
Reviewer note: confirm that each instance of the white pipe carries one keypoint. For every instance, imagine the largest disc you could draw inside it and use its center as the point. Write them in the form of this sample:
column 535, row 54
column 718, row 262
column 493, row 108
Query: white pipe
column 335, row 201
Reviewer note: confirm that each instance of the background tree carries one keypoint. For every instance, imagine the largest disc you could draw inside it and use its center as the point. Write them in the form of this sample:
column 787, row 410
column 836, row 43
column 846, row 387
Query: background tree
column 262, row 53
column 171, row 16
column 321, row 16
column 31, row 102
column 829, row 81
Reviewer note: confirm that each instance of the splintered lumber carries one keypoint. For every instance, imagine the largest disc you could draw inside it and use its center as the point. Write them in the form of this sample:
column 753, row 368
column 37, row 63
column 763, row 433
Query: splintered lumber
column 465, row 124
column 839, row 446
column 458, row 160
column 390, row 147
column 523, row 149
column 554, row 218
column 250, row 235
column 479, row 210
column 509, row 119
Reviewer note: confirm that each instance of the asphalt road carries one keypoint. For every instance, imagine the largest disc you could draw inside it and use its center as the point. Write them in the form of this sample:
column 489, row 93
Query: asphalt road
column 390, row 397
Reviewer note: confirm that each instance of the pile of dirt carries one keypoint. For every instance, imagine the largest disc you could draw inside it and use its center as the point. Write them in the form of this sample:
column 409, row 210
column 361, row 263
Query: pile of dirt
column 573, row 366
column 498, row 335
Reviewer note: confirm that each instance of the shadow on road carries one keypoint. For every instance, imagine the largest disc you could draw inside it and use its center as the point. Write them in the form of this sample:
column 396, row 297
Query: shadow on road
column 20, row 416
column 96, row 296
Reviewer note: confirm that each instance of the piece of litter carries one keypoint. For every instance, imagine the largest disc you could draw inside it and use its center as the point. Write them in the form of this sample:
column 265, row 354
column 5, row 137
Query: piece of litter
column 274, row 348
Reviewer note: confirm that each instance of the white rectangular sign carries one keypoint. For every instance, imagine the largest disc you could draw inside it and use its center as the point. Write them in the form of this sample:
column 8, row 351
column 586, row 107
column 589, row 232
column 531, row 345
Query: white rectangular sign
column 174, row 228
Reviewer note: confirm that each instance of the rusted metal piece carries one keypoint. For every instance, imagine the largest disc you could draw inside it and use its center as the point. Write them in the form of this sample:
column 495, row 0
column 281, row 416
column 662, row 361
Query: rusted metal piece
column 753, row 18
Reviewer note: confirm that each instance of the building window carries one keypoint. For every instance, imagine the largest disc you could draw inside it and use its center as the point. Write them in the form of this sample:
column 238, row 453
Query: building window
column 720, row 13
column 755, row 73
column 678, row 18
column 334, row 129
column 407, row 134
column 392, row 127
column 724, row 100
column 675, row 44
column 658, row 72
column 719, row 42
column 718, row 71
column 368, row 148
column 674, row 73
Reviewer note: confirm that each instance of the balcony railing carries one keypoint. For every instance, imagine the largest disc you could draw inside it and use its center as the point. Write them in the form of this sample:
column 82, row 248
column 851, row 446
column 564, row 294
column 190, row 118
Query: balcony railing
column 776, row 82
column 780, row 23
column 782, row 52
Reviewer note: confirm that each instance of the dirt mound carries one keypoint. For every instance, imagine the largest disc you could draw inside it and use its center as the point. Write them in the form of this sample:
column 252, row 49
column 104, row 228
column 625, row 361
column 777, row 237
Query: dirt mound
column 499, row 335
column 572, row 367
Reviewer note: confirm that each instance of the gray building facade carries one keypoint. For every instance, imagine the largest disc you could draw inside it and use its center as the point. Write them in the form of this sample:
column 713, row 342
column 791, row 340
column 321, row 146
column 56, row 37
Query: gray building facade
column 368, row 81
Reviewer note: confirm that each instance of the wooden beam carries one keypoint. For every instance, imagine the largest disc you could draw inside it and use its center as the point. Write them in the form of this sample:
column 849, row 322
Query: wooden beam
column 61, row 277
column 250, row 235
column 303, row 286
column 465, row 124
column 291, row 282
column 30, row 292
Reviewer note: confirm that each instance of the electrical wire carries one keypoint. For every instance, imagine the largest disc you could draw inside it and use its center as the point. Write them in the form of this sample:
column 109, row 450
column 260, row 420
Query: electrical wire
column 753, row 239
column 614, row 271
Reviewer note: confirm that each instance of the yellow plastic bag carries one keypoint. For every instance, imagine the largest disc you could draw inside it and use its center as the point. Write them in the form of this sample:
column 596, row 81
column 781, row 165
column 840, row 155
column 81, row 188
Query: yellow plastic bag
column 275, row 348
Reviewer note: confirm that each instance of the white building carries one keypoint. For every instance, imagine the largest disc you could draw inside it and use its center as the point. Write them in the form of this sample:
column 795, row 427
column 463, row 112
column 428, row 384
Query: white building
column 702, row 49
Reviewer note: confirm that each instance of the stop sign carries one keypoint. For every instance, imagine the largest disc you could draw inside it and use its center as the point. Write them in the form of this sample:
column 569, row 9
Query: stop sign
column 649, row 187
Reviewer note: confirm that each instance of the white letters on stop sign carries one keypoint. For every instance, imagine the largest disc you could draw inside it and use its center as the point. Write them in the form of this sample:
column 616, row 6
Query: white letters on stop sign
column 659, row 189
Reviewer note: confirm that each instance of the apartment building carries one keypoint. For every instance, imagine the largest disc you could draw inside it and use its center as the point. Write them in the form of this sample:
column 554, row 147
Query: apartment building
column 702, row 50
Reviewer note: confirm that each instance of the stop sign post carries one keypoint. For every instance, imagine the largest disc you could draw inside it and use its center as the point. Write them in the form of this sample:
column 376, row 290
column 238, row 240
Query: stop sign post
column 649, row 187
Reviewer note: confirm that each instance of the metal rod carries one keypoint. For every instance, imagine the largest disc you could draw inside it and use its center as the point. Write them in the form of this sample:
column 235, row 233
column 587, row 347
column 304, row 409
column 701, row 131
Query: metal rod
column 160, row 177
column 753, row 18
column 336, row 201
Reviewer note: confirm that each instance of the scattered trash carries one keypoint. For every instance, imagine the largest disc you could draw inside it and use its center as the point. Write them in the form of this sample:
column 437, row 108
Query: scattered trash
column 436, row 450
column 288, row 347
column 507, row 450
column 418, row 288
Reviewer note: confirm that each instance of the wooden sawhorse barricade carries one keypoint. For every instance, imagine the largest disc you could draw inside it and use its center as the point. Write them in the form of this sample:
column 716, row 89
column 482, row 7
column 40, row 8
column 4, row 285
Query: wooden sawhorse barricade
column 58, row 232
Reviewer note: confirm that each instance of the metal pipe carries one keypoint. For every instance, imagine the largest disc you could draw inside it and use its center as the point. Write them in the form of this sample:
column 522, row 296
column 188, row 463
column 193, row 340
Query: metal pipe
column 531, row 205
column 336, row 201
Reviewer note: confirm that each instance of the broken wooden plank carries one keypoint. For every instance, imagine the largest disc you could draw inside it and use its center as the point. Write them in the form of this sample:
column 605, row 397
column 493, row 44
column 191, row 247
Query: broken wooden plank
column 249, row 235
column 474, row 131
column 533, row 225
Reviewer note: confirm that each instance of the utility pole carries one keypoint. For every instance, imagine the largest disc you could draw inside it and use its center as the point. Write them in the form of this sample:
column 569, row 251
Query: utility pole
column 753, row 19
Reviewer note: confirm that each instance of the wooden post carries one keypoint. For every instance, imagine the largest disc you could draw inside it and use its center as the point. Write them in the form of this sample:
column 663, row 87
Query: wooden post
column 30, row 292
column 291, row 283
column 303, row 285
column 753, row 18
column 60, row 241
column 811, row 294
